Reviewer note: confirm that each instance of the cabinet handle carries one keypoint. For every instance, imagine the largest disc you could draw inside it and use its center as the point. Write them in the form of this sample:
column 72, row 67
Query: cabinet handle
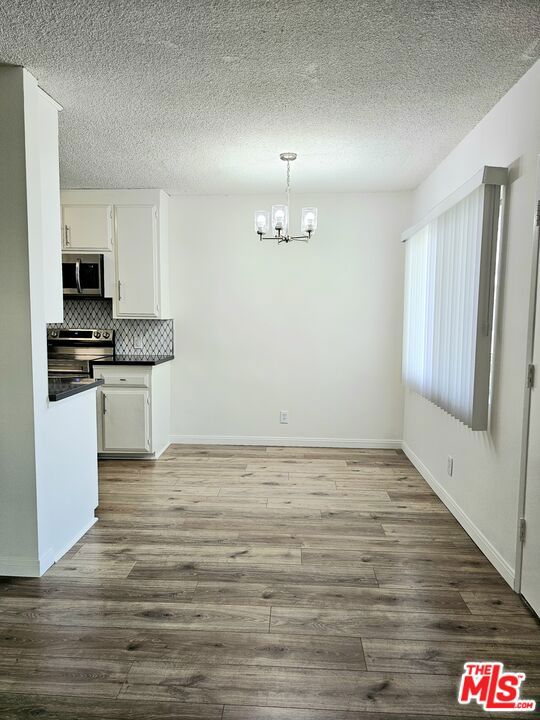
column 68, row 235
column 78, row 275
column 104, row 404
column 119, row 291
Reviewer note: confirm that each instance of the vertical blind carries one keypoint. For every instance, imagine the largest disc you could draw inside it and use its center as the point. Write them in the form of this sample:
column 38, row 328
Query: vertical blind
column 449, row 295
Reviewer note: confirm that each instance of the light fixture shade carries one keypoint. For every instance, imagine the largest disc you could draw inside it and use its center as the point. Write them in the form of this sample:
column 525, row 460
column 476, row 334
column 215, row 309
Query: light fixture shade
column 280, row 218
column 309, row 219
column 262, row 221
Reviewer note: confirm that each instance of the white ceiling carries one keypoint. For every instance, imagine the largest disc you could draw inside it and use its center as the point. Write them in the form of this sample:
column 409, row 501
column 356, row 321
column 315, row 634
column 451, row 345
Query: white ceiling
column 200, row 96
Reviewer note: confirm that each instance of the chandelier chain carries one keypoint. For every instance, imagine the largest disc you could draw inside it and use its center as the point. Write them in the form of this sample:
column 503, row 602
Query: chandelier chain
column 288, row 183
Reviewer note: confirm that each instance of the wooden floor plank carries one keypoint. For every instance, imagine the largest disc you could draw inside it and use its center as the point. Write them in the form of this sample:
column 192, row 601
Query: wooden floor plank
column 263, row 573
column 499, row 602
column 239, row 712
column 486, row 579
column 302, row 537
column 404, row 626
column 291, row 687
column 425, row 533
column 329, row 596
column 23, row 707
column 239, row 553
column 116, row 568
column 83, row 587
column 188, row 646
column 447, row 657
column 428, row 559
column 106, row 613
column 276, row 525
column 123, row 535
column 410, row 546
column 175, row 512
column 63, row 676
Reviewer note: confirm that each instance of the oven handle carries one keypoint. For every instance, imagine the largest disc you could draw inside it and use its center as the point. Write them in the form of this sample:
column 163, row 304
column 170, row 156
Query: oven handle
column 66, row 370
column 78, row 275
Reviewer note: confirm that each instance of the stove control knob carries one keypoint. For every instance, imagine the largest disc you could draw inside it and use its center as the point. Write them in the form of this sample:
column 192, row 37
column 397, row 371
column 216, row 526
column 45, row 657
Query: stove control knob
column 54, row 333
column 106, row 335
column 97, row 334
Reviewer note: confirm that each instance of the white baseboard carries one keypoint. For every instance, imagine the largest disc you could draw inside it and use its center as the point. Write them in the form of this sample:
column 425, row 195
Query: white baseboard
column 492, row 554
column 27, row 567
column 284, row 441
column 52, row 556
column 19, row 567
column 133, row 455
column 159, row 453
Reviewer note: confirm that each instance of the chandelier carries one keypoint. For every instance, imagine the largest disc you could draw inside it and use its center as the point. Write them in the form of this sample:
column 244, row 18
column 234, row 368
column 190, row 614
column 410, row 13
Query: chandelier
column 280, row 215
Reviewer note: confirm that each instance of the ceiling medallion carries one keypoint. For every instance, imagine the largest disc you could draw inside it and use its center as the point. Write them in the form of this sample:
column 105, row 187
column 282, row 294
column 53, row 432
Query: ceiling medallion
column 280, row 215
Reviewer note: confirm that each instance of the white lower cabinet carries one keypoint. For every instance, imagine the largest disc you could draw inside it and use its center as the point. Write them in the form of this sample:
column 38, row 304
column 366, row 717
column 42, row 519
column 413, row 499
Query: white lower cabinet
column 133, row 409
column 125, row 420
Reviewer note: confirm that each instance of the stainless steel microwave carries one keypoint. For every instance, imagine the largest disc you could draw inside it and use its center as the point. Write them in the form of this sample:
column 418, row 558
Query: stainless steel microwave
column 82, row 275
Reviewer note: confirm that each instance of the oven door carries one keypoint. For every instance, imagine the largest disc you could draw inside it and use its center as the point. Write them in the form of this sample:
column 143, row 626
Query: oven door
column 82, row 275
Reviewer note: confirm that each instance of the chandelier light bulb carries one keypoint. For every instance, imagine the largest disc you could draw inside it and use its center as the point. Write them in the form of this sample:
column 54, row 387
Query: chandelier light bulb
column 309, row 219
column 280, row 218
column 262, row 221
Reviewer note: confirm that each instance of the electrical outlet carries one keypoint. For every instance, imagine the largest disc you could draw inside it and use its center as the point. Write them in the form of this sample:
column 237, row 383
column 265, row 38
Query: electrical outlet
column 284, row 417
column 137, row 342
column 450, row 465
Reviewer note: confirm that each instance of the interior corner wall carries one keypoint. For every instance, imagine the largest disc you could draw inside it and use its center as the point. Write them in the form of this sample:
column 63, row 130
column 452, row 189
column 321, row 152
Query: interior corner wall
column 314, row 329
column 484, row 489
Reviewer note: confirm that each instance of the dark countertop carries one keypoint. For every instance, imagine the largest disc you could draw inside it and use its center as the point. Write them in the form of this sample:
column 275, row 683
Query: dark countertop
column 61, row 388
column 134, row 360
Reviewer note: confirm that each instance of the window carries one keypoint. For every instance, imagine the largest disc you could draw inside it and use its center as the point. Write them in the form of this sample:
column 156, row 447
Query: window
column 449, row 297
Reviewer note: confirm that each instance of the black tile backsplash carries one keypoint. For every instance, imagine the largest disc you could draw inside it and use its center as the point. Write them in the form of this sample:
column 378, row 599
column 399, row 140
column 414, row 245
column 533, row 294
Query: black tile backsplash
column 157, row 336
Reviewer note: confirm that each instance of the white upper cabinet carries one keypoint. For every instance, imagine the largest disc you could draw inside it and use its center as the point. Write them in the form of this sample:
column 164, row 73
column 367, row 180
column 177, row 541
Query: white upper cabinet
column 134, row 224
column 87, row 228
column 136, row 261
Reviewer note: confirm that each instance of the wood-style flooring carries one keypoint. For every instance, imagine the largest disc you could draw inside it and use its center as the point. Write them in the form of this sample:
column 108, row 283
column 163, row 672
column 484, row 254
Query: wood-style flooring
column 234, row 583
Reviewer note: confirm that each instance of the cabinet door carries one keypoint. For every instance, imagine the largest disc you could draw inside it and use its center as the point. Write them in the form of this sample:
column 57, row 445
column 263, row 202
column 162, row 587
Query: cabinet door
column 125, row 420
column 87, row 227
column 136, row 261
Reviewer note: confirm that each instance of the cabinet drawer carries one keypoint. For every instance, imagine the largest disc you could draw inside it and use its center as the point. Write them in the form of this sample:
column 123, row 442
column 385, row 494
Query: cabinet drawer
column 122, row 377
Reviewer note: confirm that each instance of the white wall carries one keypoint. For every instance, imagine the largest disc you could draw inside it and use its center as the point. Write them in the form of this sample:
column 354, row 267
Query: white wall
column 483, row 492
column 313, row 329
column 67, row 488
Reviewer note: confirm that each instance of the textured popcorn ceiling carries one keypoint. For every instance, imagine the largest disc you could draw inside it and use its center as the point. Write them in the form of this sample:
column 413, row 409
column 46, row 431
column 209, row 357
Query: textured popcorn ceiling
column 200, row 96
